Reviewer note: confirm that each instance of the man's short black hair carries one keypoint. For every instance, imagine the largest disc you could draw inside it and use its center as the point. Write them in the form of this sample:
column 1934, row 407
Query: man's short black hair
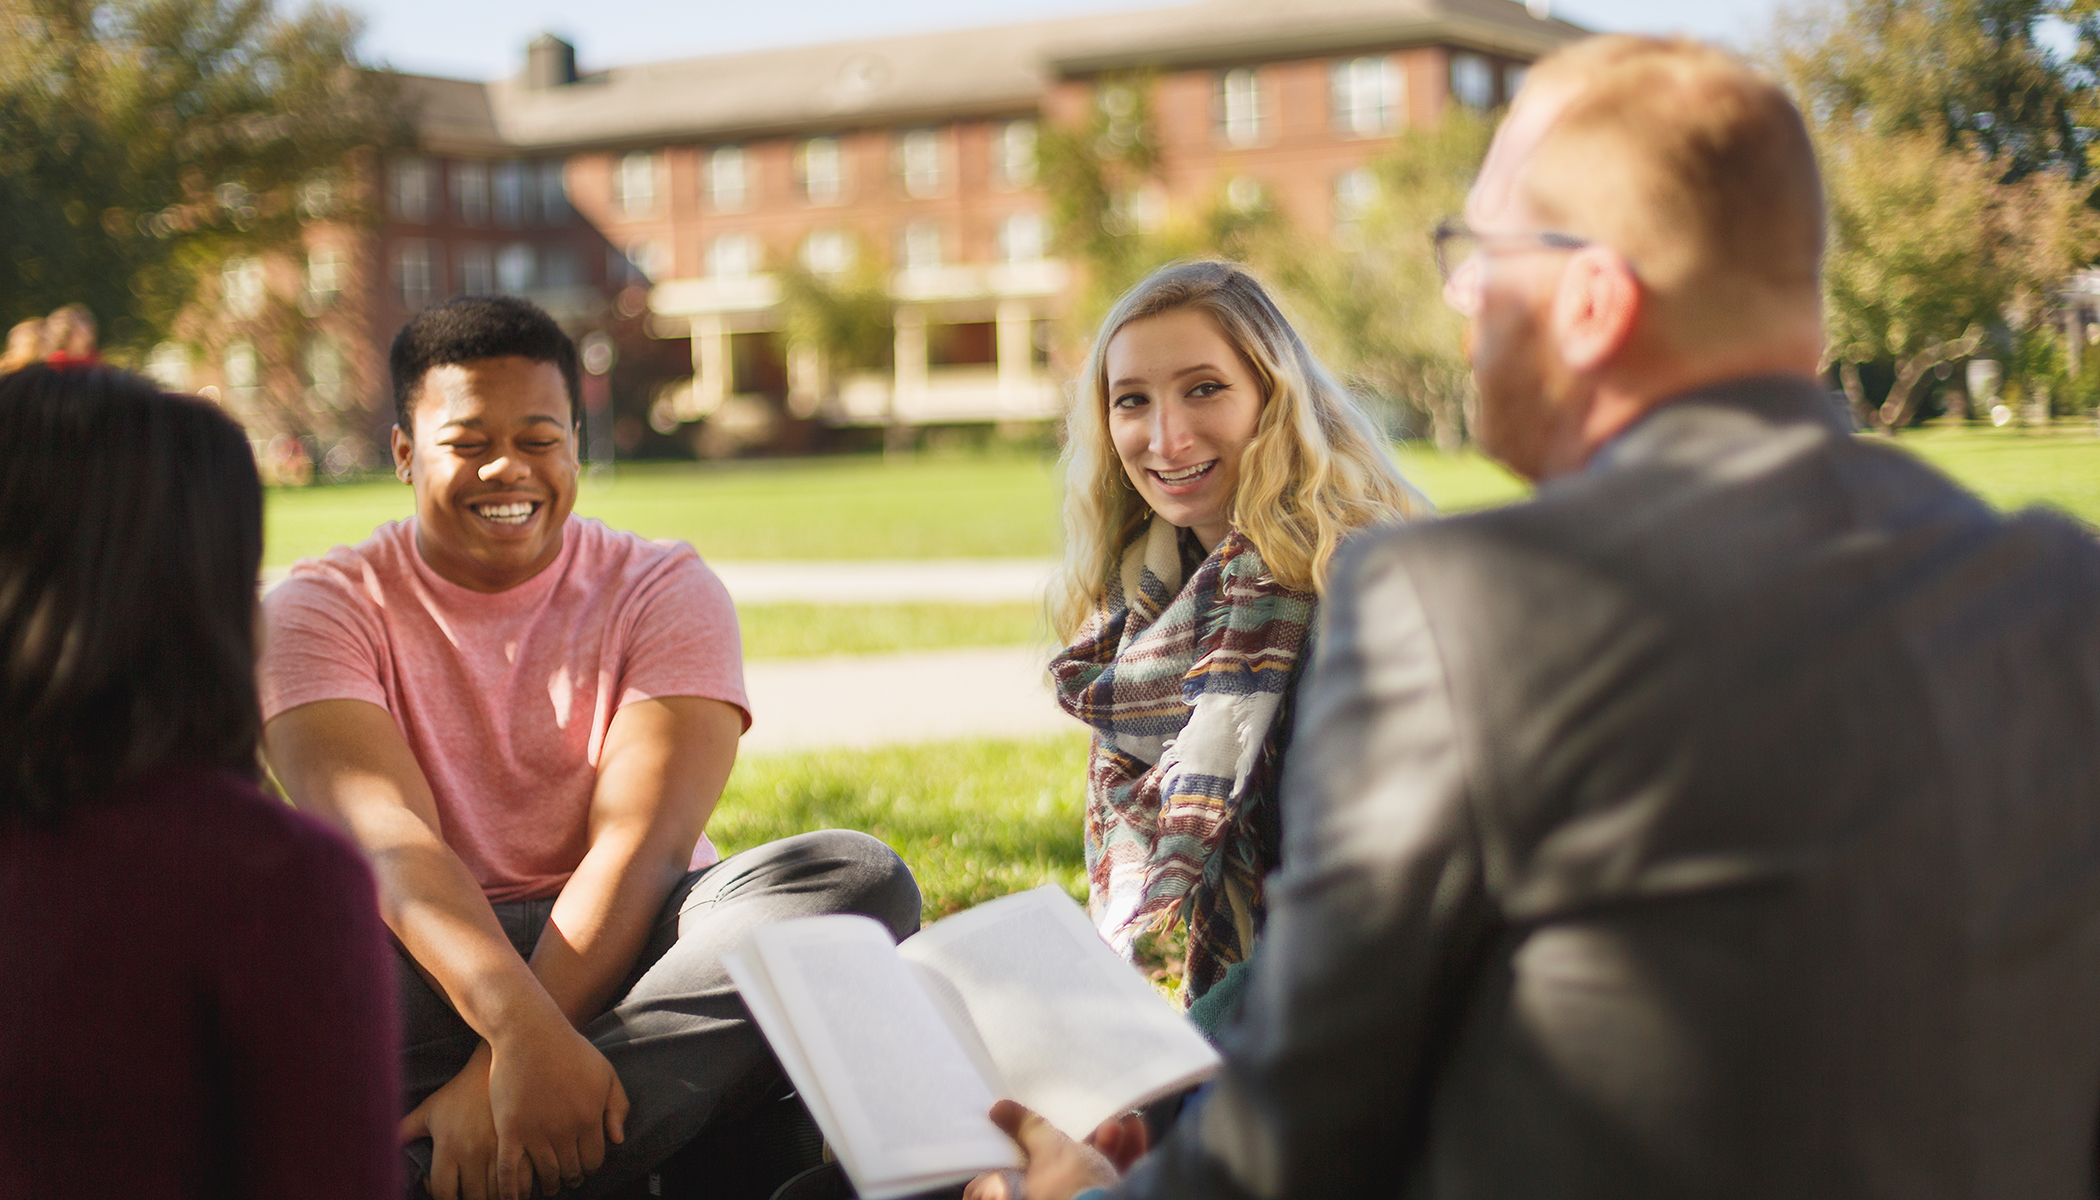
column 475, row 327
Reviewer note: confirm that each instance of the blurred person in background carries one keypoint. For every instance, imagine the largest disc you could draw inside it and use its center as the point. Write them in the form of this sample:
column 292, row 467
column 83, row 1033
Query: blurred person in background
column 1211, row 472
column 25, row 345
column 1724, row 820
column 195, row 988
column 70, row 337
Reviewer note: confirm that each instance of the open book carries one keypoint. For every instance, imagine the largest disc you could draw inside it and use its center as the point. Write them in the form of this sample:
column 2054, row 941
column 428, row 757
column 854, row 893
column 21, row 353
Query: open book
column 899, row 1050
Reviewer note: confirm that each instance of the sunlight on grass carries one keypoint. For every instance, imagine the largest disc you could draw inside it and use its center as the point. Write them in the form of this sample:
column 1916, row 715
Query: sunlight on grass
column 975, row 819
column 1456, row 482
column 975, row 506
column 1005, row 506
column 2057, row 466
column 810, row 630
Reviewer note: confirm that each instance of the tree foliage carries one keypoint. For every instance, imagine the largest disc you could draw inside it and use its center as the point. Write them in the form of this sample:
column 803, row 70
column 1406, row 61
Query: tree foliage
column 1372, row 299
column 1955, row 169
column 1977, row 75
column 143, row 141
column 849, row 318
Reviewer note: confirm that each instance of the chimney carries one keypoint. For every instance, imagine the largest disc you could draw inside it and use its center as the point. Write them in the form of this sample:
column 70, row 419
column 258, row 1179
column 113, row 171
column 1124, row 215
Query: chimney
column 549, row 62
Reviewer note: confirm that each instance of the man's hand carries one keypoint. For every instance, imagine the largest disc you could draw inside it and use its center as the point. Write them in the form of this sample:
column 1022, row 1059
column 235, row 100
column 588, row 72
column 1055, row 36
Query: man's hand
column 554, row 1101
column 462, row 1133
column 1057, row 1165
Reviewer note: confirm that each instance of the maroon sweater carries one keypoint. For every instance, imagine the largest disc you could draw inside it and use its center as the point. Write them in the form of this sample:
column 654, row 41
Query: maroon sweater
column 196, row 1000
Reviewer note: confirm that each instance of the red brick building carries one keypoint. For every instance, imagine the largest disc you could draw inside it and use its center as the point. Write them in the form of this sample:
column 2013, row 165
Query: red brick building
column 657, row 204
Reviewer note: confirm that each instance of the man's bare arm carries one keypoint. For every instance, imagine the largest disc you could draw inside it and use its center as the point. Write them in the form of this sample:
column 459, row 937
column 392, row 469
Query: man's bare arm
column 659, row 776
column 346, row 761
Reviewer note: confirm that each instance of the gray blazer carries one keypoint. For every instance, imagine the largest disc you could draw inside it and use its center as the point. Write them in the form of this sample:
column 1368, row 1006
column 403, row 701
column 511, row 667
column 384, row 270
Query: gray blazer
column 1724, row 821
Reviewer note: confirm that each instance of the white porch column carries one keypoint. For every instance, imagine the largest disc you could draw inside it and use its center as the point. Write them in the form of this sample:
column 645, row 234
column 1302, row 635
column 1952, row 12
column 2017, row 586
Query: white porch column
column 1014, row 326
column 908, row 397
column 710, row 363
column 806, row 381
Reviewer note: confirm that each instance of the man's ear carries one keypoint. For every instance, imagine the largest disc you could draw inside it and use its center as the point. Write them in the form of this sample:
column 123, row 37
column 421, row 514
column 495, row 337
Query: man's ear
column 404, row 454
column 1596, row 308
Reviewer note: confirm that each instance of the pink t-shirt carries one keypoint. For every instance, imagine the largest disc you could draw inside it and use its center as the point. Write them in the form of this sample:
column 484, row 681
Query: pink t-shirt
column 505, row 697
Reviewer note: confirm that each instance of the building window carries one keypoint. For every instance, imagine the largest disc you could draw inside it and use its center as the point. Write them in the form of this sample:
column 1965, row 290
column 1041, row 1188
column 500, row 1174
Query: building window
column 821, row 170
column 241, row 286
column 470, row 193
column 324, row 372
column 919, row 162
column 1245, row 194
column 1472, row 81
column 517, row 268
column 1513, row 81
column 1021, row 237
column 554, row 192
column 317, row 198
column 733, row 256
column 1239, row 107
column 169, row 366
column 1139, row 210
column 562, row 268
column 828, row 252
column 515, row 194
column 922, row 246
column 1354, row 193
column 634, row 184
column 649, row 258
column 728, row 180
column 1369, row 95
column 477, row 270
column 243, row 370
column 408, row 190
column 412, row 275
column 1013, row 154
column 325, row 275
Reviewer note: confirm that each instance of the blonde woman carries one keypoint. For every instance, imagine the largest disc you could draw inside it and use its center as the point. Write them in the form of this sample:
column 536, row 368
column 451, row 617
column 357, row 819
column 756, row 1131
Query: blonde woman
column 1212, row 466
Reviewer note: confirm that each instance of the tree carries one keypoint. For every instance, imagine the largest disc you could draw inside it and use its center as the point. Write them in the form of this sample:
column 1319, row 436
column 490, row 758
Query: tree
column 1953, row 163
column 1372, row 300
column 1930, row 253
column 142, row 142
column 1968, row 74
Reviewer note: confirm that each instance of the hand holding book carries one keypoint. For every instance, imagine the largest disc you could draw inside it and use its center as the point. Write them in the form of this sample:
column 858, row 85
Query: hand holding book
column 899, row 1051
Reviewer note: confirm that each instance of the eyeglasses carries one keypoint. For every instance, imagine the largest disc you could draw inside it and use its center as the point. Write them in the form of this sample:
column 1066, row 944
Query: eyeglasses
column 1456, row 243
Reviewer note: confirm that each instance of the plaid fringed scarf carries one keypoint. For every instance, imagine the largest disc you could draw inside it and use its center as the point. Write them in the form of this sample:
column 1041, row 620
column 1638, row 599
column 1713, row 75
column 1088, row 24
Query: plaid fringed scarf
column 1187, row 689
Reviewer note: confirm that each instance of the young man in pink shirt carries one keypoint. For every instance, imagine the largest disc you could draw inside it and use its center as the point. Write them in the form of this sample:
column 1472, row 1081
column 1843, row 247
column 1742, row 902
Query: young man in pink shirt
column 525, row 719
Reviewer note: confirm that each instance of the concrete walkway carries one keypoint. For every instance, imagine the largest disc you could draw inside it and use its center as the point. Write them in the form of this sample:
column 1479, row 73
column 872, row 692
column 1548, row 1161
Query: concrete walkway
column 888, row 699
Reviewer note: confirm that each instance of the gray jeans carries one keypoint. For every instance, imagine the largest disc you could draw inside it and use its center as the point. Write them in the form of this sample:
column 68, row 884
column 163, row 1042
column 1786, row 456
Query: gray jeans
column 677, row 1033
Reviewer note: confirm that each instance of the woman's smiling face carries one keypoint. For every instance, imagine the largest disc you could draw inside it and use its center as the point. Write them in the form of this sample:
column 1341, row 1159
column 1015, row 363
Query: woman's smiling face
column 1182, row 406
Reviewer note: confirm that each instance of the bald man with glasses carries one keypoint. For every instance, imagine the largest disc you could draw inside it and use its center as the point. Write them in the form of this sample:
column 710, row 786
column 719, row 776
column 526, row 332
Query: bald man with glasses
column 1723, row 821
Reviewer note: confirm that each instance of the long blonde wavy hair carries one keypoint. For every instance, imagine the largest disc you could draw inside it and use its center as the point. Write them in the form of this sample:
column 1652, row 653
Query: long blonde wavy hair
column 1316, row 469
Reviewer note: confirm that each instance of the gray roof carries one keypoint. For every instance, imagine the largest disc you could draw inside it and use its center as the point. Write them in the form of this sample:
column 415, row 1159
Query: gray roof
column 937, row 76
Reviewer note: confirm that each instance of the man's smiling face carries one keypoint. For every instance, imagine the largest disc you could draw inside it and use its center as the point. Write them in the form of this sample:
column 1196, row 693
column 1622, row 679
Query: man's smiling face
column 492, row 458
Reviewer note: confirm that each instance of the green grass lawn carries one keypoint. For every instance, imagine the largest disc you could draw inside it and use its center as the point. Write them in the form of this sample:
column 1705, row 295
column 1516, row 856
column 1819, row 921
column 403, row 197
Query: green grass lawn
column 2058, row 465
column 961, row 506
column 975, row 819
column 974, row 506
column 807, row 630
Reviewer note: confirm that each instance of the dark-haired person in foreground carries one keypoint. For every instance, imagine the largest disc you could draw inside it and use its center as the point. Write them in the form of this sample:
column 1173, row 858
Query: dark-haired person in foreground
column 195, row 989
column 1722, row 822
column 525, row 719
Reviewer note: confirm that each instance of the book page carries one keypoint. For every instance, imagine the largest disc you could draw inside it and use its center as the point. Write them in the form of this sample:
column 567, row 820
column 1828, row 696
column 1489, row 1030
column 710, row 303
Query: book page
column 1076, row 1033
column 900, row 1100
